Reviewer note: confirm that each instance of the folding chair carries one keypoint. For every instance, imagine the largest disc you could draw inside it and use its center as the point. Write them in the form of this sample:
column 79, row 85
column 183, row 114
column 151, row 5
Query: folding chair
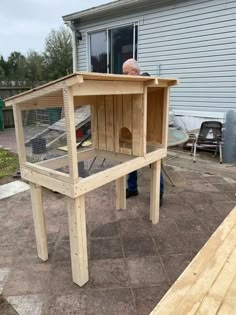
column 210, row 135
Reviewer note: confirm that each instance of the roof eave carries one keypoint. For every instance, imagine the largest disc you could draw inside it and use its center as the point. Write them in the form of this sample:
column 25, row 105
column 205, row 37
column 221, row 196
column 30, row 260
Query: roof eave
column 101, row 9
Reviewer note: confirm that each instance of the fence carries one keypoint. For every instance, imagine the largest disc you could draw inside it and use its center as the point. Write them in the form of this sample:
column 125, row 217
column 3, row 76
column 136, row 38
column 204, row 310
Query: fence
column 11, row 88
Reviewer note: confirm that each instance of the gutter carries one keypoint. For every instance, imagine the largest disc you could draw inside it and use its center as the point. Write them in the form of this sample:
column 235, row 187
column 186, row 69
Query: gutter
column 114, row 5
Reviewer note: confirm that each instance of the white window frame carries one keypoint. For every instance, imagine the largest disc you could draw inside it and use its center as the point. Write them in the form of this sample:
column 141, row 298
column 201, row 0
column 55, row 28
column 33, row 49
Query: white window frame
column 89, row 32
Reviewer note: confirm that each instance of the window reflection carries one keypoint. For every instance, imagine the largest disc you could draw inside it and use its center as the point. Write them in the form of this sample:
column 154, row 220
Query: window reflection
column 122, row 46
column 98, row 48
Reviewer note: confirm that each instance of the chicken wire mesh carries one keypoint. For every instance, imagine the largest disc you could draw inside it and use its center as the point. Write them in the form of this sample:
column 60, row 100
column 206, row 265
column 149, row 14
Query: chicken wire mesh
column 45, row 133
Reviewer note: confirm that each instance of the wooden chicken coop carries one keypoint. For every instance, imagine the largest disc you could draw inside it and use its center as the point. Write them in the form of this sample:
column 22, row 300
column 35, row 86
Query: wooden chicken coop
column 129, row 124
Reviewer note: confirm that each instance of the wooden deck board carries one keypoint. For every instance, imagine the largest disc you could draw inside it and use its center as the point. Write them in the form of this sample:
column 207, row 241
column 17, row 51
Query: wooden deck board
column 206, row 286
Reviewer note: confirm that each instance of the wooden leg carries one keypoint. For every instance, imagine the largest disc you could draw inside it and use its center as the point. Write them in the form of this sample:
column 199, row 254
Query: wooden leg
column 155, row 192
column 78, row 240
column 121, row 193
column 39, row 221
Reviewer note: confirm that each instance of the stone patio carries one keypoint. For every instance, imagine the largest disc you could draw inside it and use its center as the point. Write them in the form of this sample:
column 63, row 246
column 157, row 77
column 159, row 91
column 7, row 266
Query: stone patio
column 132, row 263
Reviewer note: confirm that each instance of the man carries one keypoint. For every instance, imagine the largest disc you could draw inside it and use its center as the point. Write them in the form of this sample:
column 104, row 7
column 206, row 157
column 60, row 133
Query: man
column 131, row 67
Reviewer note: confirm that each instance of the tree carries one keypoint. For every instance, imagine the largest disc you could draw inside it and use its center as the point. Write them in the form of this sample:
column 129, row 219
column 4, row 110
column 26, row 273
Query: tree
column 16, row 65
column 35, row 69
column 3, row 68
column 58, row 54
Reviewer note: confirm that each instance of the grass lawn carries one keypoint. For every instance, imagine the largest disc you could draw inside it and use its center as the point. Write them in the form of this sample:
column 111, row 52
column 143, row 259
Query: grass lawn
column 8, row 163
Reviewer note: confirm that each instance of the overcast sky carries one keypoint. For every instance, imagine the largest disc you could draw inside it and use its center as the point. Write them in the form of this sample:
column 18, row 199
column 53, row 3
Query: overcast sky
column 26, row 23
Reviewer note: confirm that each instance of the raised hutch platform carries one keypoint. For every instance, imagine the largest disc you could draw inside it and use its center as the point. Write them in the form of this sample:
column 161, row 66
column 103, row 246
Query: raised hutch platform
column 129, row 124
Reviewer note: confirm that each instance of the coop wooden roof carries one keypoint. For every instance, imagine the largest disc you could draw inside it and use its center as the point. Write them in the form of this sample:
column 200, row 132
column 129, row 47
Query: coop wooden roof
column 89, row 84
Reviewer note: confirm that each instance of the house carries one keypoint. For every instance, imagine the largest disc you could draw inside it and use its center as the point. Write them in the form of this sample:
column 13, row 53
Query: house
column 192, row 40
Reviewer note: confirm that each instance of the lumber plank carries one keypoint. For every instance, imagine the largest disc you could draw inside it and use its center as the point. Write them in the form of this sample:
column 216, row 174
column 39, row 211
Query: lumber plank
column 19, row 135
column 229, row 304
column 118, row 107
column 192, row 300
column 181, row 288
column 155, row 191
column 94, row 126
column 138, row 125
column 165, row 121
column 96, row 87
column 101, row 122
column 39, row 221
column 121, row 193
column 48, row 182
column 70, row 133
column 109, row 122
column 78, row 239
column 49, row 172
column 216, row 293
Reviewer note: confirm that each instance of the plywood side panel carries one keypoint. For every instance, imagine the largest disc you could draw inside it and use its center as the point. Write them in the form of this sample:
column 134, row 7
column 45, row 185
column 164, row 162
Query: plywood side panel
column 109, row 104
column 155, row 99
column 101, row 114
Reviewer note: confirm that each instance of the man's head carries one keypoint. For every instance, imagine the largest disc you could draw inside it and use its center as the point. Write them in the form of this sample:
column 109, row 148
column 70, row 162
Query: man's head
column 130, row 67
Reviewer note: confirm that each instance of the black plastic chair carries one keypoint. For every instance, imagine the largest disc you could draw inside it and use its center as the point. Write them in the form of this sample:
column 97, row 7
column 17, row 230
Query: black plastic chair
column 210, row 134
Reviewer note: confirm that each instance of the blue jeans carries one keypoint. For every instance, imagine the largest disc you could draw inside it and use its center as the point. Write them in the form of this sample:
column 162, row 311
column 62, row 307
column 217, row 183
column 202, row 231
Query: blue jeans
column 133, row 182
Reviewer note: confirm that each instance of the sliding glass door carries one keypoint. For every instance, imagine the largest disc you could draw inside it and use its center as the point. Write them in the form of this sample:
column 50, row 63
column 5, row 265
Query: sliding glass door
column 110, row 48
column 98, row 52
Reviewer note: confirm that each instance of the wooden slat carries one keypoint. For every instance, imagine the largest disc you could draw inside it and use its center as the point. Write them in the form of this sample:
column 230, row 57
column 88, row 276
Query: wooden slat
column 39, row 221
column 174, row 298
column 78, row 239
column 118, row 101
column 110, row 137
column 138, row 125
column 165, row 121
column 48, row 182
column 51, row 173
column 94, row 126
column 216, row 293
column 144, row 144
column 113, row 77
column 118, row 77
column 70, row 132
column 19, row 135
column 92, row 87
column 101, row 122
column 229, row 304
column 192, row 300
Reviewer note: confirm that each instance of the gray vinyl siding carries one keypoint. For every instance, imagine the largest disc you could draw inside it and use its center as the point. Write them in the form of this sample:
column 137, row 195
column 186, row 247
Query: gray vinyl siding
column 192, row 40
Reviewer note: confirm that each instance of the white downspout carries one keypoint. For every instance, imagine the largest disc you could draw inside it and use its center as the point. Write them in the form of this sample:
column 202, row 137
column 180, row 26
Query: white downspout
column 74, row 48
